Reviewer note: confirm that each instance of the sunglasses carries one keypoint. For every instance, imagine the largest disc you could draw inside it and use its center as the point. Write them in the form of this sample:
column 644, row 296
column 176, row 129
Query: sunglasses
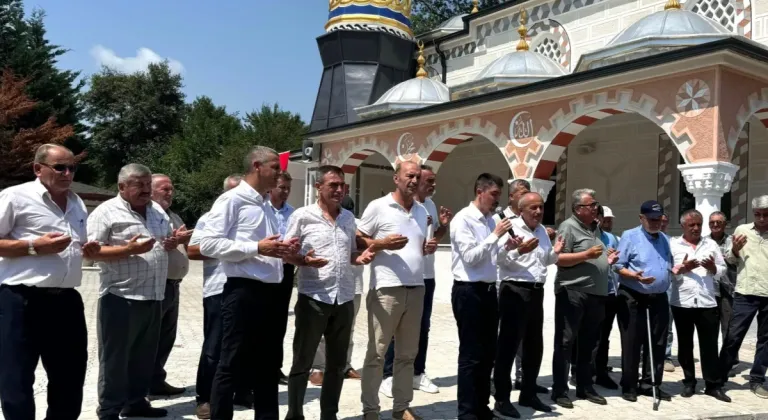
column 61, row 168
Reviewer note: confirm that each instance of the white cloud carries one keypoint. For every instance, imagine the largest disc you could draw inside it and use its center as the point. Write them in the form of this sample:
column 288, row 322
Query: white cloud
column 144, row 56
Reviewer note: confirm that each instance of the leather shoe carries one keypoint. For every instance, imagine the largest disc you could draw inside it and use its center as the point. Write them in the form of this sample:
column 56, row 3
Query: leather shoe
column 562, row 401
column 203, row 411
column 630, row 395
column 316, row 378
column 534, row 402
column 688, row 391
column 352, row 374
column 505, row 410
column 718, row 394
column 591, row 395
column 648, row 392
column 606, row 382
column 165, row 390
column 243, row 399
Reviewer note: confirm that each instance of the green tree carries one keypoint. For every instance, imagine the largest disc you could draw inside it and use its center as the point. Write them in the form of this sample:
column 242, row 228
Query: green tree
column 427, row 15
column 132, row 117
column 276, row 128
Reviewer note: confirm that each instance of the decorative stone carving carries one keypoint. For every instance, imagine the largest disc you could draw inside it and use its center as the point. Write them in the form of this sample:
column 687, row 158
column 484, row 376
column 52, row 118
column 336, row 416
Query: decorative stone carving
column 708, row 181
column 542, row 187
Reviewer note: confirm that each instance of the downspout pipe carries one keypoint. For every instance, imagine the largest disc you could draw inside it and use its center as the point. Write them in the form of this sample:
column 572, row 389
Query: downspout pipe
column 443, row 62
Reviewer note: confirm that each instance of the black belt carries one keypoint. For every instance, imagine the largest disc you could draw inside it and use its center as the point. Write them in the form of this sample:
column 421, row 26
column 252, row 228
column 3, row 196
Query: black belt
column 21, row 288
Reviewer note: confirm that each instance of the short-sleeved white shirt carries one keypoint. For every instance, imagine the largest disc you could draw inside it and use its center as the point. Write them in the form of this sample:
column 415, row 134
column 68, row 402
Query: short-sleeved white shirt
column 403, row 267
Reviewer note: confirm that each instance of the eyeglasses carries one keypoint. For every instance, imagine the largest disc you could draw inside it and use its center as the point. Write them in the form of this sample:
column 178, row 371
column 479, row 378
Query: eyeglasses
column 717, row 223
column 592, row 205
column 61, row 168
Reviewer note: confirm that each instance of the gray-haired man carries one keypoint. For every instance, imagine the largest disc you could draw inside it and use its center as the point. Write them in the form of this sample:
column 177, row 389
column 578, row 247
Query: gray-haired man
column 136, row 236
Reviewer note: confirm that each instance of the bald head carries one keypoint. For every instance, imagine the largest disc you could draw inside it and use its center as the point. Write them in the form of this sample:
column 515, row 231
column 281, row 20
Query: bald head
column 531, row 207
column 529, row 198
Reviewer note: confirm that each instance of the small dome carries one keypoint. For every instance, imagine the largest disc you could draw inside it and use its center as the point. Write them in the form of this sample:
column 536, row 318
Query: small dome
column 522, row 64
column 410, row 94
column 667, row 24
column 662, row 31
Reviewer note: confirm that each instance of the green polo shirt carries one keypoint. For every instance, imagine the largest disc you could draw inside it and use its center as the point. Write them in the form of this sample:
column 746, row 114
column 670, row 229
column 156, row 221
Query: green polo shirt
column 590, row 276
column 752, row 262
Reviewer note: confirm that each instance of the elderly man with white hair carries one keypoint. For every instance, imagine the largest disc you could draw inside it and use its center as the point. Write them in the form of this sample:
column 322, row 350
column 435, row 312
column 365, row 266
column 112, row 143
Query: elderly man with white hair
column 749, row 252
column 135, row 235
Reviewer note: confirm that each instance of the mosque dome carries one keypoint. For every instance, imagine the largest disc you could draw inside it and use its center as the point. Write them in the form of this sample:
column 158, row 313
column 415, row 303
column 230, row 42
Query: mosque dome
column 410, row 94
column 669, row 29
column 391, row 16
column 513, row 69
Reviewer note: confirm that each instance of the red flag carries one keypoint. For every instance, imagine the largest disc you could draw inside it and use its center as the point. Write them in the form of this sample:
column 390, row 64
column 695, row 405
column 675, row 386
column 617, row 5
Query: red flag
column 284, row 160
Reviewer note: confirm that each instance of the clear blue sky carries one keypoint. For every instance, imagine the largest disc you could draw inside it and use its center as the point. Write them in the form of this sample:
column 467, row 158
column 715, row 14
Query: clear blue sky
column 241, row 53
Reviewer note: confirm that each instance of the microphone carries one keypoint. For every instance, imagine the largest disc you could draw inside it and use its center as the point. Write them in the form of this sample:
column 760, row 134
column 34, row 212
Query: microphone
column 502, row 216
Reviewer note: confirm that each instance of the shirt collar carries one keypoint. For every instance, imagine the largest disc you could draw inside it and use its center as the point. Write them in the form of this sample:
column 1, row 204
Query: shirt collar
column 40, row 189
column 589, row 228
column 475, row 212
column 285, row 209
column 519, row 222
column 246, row 189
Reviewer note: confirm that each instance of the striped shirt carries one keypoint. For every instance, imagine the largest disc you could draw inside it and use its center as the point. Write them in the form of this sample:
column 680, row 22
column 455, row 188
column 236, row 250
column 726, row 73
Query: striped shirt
column 136, row 277
column 335, row 282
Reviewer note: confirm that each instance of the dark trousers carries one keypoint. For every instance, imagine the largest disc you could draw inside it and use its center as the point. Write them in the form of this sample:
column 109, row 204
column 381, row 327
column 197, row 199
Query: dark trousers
column 612, row 303
column 745, row 307
column 633, row 323
column 284, row 300
column 251, row 346
column 169, row 321
column 48, row 325
column 577, row 322
column 314, row 320
column 420, row 364
column 128, row 333
column 475, row 307
column 705, row 321
column 521, row 318
column 209, row 357
column 725, row 308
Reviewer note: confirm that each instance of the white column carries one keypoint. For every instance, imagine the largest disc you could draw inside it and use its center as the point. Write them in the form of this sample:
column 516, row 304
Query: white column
column 540, row 186
column 708, row 181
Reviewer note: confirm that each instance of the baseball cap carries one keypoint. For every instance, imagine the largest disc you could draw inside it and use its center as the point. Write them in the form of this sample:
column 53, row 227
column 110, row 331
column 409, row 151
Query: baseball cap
column 607, row 212
column 652, row 209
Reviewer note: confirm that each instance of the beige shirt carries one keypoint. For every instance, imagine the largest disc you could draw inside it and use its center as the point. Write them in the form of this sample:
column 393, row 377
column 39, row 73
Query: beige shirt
column 752, row 262
column 178, row 262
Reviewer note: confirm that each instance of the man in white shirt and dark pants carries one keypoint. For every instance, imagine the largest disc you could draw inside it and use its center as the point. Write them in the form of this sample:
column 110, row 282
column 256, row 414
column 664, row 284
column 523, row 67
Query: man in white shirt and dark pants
column 42, row 226
column 439, row 226
column 325, row 306
column 474, row 248
column 395, row 225
column 522, row 272
column 213, row 286
column 136, row 236
column 698, row 262
column 241, row 231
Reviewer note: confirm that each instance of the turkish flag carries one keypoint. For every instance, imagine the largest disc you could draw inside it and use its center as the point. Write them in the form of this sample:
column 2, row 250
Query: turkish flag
column 284, row 160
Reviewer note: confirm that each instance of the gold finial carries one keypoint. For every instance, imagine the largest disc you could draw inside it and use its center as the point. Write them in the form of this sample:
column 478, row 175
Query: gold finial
column 475, row 9
column 522, row 45
column 421, row 73
column 672, row 4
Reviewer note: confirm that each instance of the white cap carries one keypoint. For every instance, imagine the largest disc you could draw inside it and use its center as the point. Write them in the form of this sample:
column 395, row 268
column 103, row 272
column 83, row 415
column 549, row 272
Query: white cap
column 607, row 212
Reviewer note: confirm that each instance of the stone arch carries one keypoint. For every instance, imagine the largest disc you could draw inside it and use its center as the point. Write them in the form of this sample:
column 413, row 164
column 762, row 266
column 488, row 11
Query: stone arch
column 351, row 156
column 565, row 126
column 441, row 142
column 756, row 106
column 548, row 30
column 735, row 15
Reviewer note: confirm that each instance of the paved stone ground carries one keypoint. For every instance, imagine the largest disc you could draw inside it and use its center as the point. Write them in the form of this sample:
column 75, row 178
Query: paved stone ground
column 441, row 366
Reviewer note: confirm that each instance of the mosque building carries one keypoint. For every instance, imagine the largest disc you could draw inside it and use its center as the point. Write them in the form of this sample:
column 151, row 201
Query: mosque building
column 636, row 99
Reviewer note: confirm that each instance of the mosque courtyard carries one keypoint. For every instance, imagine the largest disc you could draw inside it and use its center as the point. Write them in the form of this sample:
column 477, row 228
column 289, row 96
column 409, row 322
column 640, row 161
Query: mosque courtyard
column 441, row 367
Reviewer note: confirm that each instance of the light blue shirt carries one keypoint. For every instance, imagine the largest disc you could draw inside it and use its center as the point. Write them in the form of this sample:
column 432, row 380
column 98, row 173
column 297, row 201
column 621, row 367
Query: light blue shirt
column 282, row 216
column 639, row 250
column 610, row 241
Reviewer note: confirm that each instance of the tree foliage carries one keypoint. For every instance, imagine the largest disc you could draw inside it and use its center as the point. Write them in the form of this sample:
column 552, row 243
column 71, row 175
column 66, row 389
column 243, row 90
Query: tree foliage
column 427, row 15
column 276, row 128
column 18, row 146
column 26, row 51
column 132, row 117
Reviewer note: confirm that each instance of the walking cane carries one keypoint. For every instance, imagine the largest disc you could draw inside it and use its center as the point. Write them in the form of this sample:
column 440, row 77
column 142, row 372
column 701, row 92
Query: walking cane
column 649, row 349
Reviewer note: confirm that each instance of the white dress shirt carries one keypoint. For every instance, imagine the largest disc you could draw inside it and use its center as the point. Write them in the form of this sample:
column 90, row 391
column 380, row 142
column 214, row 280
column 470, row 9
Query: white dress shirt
column 27, row 212
column 695, row 289
column 213, row 273
column 530, row 267
column 136, row 277
column 335, row 282
column 429, row 259
column 474, row 246
column 402, row 267
column 238, row 220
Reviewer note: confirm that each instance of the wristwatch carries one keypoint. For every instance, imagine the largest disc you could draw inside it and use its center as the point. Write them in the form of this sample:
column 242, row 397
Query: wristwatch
column 31, row 248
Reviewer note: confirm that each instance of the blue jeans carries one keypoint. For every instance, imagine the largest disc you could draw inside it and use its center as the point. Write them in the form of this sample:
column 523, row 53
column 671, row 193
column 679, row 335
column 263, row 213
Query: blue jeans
column 420, row 364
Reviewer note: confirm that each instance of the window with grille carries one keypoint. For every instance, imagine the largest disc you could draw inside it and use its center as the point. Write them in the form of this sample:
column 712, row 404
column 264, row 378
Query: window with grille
column 721, row 11
column 550, row 48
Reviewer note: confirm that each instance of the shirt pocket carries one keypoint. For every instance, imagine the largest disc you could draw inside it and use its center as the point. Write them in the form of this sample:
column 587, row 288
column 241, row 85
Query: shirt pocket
column 123, row 231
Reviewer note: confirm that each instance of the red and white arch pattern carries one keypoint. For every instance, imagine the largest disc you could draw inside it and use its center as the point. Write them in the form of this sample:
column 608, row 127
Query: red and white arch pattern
column 353, row 162
column 563, row 138
column 441, row 152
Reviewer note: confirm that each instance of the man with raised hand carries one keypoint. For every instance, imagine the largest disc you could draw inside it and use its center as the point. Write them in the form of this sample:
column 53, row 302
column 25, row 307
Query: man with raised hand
column 43, row 231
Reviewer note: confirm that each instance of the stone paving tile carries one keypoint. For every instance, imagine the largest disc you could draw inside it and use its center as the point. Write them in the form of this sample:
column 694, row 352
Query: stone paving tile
column 441, row 366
